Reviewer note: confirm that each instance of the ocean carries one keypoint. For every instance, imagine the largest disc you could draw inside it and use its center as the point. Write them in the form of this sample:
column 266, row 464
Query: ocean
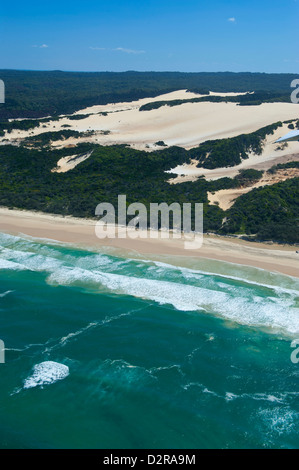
column 110, row 350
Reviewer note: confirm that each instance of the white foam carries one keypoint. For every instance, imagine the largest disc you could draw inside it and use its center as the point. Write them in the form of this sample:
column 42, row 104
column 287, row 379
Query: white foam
column 11, row 265
column 30, row 261
column 183, row 288
column 230, row 396
column 188, row 272
column 4, row 294
column 46, row 373
column 279, row 420
column 119, row 374
column 271, row 312
column 6, row 238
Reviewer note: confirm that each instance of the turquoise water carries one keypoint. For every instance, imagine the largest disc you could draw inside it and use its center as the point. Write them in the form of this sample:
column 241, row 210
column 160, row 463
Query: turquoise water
column 107, row 351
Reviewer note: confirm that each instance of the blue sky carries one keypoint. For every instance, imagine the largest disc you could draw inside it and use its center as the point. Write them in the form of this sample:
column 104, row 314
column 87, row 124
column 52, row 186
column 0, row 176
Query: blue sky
column 144, row 35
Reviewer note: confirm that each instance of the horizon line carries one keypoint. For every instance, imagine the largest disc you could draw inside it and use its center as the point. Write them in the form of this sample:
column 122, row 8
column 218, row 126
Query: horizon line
column 145, row 71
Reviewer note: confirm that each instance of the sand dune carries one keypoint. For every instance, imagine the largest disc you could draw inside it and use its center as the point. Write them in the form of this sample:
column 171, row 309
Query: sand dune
column 186, row 125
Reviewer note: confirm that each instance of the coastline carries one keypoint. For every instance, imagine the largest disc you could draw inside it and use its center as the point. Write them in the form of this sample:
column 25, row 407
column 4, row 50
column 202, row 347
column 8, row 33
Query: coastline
column 81, row 232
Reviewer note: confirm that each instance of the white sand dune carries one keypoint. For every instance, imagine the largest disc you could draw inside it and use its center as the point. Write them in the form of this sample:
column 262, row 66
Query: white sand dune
column 186, row 125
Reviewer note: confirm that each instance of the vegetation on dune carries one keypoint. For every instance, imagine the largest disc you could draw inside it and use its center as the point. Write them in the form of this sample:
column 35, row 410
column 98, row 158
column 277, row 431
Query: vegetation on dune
column 283, row 166
column 250, row 99
column 45, row 138
column 23, row 125
column 78, row 117
column 161, row 143
column 230, row 152
column 293, row 123
column 242, row 179
column 29, row 124
column 248, row 177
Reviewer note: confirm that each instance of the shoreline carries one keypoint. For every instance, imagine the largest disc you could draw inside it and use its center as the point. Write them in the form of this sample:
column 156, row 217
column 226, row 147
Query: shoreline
column 81, row 232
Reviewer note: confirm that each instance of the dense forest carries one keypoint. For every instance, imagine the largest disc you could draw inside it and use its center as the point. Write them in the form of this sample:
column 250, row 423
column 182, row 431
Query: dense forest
column 39, row 94
column 26, row 181
column 268, row 213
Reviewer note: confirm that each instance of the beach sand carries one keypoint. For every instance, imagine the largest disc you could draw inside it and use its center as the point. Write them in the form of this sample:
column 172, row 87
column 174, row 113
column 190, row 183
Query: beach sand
column 81, row 232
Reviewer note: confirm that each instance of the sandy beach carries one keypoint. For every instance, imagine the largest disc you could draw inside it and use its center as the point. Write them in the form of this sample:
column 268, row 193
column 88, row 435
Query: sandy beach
column 81, row 232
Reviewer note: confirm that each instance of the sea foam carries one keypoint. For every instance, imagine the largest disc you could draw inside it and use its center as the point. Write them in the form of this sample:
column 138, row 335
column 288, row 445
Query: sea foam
column 46, row 373
column 277, row 313
column 247, row 302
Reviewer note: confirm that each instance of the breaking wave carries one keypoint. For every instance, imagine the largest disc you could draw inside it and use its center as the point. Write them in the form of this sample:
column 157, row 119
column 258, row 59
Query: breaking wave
column 46, row 373
column 231, row 297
